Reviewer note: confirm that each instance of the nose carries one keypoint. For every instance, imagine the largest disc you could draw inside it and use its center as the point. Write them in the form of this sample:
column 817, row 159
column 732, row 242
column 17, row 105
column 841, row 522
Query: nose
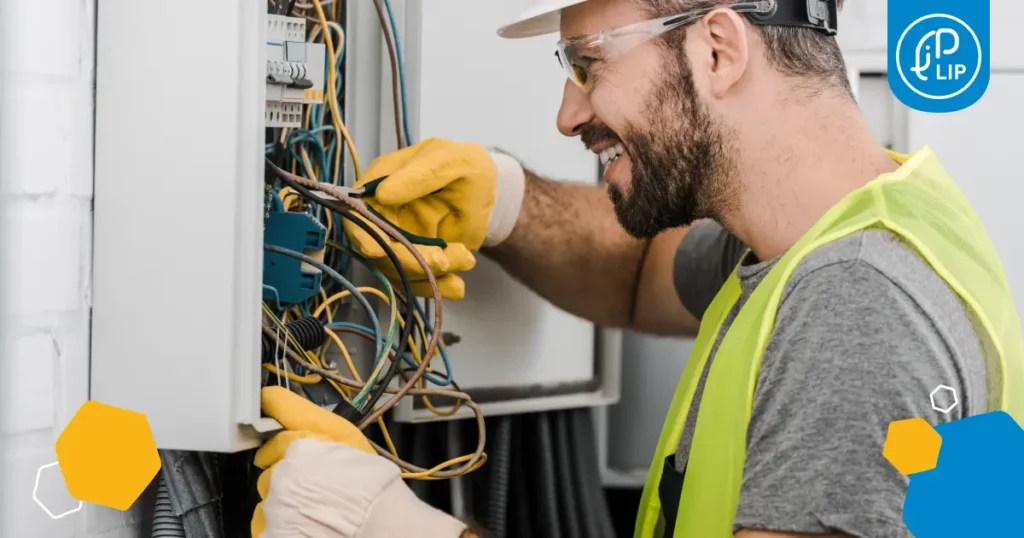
column 575, row 111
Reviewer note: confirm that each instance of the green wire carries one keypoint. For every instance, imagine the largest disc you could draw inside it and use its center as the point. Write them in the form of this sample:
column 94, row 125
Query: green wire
column 360, row 398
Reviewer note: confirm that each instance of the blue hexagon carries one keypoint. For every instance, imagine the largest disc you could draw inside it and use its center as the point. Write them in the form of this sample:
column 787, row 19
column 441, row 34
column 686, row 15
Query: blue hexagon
column 977, row 488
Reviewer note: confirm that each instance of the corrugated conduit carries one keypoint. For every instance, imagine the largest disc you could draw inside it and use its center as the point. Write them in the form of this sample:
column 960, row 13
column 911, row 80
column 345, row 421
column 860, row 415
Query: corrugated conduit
column 166, row 524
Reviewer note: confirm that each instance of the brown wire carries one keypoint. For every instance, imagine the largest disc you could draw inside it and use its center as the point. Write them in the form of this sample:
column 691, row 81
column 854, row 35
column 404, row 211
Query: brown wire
column 358, row 207
column 475, row 458
column 405, row 372
column 396, row 96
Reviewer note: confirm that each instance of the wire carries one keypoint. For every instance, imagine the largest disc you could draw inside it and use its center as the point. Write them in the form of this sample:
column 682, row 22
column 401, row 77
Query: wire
column 358, row 400
column 421, row 315
column 313, row 154
column 333, row 97
column 393, row 60
column 401, row 71
column 469, row 462
column 300, row 184
column 313, row 360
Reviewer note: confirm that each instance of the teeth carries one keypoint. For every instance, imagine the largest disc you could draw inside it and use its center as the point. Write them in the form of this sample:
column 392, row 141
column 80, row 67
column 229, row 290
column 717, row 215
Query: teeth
column 612, row 153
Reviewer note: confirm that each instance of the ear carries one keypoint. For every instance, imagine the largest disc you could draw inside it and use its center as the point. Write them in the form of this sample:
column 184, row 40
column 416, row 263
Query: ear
column 725, row 32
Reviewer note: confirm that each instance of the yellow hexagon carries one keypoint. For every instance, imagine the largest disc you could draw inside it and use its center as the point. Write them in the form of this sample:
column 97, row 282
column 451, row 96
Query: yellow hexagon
column 912, row 446
column 107, row 455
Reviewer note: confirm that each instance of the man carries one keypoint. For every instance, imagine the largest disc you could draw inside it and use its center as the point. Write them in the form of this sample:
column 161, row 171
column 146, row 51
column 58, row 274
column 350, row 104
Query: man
column 723, row 127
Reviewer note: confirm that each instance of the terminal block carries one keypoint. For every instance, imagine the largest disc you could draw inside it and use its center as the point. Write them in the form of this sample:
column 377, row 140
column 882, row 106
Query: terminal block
column 286, row 280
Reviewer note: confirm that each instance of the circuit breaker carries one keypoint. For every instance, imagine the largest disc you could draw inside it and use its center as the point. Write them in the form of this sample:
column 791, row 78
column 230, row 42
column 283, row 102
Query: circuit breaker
column 295, row 71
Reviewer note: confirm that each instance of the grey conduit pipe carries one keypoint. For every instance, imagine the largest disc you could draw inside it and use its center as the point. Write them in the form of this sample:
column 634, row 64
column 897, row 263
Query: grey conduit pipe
column 166, row 524
column 501, row 462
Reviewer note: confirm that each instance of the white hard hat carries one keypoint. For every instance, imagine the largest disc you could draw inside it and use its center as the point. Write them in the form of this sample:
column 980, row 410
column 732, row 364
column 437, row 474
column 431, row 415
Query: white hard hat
column 542, row 18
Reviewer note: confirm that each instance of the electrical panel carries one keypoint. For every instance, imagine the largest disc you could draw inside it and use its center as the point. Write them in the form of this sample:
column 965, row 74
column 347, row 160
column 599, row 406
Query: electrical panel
column 228, row 266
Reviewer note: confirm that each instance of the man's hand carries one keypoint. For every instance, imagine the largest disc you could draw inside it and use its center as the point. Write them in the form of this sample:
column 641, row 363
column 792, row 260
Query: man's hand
column 322, row 478
column 455, row 191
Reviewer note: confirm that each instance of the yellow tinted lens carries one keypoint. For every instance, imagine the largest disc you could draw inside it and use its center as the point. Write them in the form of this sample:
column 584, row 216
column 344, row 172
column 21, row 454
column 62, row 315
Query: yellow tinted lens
column 576, row 73
column 580, row 76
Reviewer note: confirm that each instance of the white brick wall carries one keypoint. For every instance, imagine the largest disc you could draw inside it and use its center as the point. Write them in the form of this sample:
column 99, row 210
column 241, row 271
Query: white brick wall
column 46, row 141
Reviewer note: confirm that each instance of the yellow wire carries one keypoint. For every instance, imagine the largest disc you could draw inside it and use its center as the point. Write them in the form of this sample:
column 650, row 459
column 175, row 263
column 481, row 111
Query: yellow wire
column 422, row 475
column 330, row 313
column 309, row 379
column 362, row 289
column 335, row 51
column 344, row 353
column 333, row 98
column 412, row 345
column 426, row 475
column 341, row 390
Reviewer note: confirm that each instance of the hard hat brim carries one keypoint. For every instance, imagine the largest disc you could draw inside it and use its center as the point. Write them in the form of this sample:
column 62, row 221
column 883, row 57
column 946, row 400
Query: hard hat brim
column 539, row 20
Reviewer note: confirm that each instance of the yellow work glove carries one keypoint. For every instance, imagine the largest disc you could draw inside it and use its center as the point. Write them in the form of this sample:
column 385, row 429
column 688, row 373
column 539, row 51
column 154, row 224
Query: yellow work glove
column 323, row 479
column 455, row 191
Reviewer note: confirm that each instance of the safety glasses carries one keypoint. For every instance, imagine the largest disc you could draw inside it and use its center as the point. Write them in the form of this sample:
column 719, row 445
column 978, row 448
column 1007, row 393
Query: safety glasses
column 581, row 55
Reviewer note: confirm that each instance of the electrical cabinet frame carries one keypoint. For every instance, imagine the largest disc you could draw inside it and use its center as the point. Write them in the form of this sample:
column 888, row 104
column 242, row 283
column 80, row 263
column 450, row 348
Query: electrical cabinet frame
column 179, row 193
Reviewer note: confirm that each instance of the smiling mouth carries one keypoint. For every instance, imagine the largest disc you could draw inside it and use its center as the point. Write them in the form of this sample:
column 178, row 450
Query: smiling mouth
column 610, row 154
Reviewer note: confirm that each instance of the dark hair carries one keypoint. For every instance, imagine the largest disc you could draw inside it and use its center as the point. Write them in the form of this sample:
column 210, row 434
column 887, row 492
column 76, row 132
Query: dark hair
column 800, row 53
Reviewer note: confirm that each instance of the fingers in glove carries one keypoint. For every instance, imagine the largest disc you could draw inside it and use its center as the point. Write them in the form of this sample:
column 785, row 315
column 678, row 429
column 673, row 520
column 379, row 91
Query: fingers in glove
column 453, row 288
column 362, row 242
column 460, row 259
column 259, row 522
column 433, row 169
column 435, row 257
column 299, row 415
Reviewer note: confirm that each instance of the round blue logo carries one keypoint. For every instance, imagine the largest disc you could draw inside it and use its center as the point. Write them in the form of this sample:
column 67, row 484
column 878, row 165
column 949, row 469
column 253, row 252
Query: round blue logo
column 939, row 56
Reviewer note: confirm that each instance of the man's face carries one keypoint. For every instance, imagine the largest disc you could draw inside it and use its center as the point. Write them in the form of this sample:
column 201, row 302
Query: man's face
column 665, row 153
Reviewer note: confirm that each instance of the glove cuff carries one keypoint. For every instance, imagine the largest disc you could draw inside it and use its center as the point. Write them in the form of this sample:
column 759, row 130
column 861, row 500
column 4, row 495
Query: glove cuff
column 508, row 199
column 399, row 512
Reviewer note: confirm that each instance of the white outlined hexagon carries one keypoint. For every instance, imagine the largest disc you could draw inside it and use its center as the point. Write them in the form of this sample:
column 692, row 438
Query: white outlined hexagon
column 945, row 410
column 35, row 497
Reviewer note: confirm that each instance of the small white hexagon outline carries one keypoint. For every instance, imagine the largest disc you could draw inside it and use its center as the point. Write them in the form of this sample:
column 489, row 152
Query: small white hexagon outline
column 35, row 490
column 952, row 406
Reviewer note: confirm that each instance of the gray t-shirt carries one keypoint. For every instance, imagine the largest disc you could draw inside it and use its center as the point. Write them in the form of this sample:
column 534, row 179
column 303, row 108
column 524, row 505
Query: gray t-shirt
column 865, row 331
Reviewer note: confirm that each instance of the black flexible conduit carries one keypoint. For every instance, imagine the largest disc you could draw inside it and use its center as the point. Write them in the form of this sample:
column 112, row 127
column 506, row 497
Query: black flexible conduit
column 596, row 518
column 568, row 496
column 308, row 333
column 166, row 524
column 548, row 495
column 501, row 462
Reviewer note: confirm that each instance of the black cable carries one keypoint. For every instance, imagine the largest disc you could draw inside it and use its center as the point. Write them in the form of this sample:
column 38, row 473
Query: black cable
column 589, row 470
column 307, row 332
column 567, row 494
column 409, row 318
column 409, row 315
column 547, row 477
column 501, row 461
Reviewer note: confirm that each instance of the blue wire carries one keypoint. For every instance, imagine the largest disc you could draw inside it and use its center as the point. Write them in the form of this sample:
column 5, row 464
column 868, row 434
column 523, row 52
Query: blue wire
column 345, row 283
column 401, row 71
column 406, row 358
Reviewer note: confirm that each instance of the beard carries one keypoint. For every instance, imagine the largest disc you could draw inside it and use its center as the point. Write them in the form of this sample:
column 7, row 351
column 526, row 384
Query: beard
column 681, row 166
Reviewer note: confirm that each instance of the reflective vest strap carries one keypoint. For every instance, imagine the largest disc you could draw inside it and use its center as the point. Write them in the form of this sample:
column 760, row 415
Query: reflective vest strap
column 711, row 324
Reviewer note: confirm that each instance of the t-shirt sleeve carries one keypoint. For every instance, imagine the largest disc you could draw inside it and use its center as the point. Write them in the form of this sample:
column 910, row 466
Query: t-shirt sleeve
column 850, row 353
column 706, row 257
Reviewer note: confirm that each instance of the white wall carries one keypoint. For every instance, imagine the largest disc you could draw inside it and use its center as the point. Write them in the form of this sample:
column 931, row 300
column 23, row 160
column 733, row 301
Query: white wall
column 46, row 118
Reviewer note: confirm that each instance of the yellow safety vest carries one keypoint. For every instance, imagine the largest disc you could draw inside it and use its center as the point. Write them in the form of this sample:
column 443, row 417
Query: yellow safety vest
column 920, row 203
